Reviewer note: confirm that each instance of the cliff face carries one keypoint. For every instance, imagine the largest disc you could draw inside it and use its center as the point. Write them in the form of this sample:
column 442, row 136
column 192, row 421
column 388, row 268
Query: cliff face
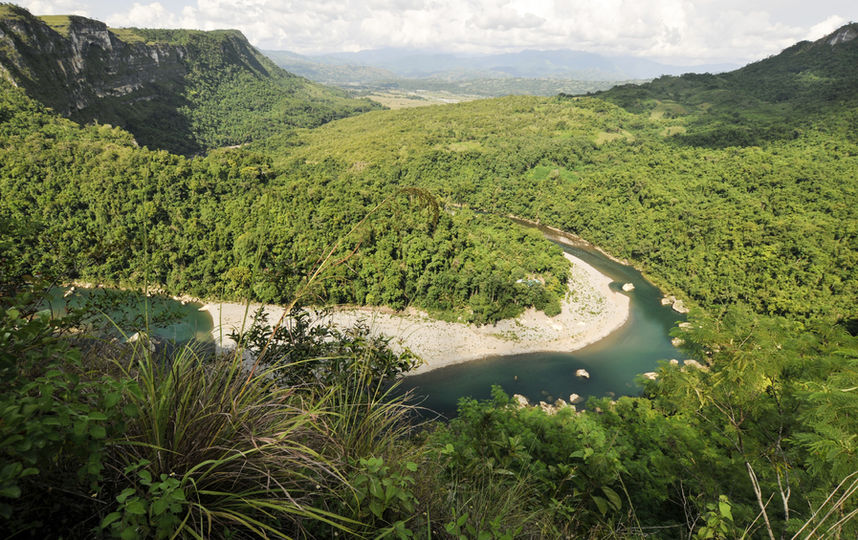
column 182, row 90
column 73, row 72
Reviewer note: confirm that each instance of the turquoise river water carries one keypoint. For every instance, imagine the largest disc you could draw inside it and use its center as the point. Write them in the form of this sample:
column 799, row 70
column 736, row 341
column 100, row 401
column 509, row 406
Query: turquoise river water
column 613, row 362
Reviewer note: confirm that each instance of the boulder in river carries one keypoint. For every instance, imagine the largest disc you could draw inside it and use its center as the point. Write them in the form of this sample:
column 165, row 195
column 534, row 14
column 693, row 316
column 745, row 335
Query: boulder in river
column 575, row 398
column 695, row 364
column 520, row 401
column 668, row 300
column 679, row 307
column 628, row 287
column 546, row 408
column 582, row 373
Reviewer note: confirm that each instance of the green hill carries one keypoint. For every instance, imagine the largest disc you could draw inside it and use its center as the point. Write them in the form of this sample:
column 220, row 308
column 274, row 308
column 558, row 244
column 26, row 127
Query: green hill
column 230, row 225
column 181, row 90
column 773, row 226
column 766, row 100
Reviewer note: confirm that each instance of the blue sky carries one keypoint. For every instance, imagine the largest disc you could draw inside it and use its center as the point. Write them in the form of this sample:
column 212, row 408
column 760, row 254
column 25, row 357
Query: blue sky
column 682, row 32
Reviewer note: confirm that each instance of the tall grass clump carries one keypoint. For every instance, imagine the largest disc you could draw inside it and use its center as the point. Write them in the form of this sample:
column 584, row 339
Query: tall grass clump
column 214, row 449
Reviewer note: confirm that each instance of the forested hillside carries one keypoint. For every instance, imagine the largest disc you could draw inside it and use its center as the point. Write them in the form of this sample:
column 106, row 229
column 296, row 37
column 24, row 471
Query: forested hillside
column 775, row 98
column 231, row 225
column 736, row 192
column 773, row 226
column 180, row 90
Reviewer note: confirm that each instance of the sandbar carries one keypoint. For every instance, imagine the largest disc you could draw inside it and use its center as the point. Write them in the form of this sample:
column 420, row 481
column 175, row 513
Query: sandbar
column 590, row 312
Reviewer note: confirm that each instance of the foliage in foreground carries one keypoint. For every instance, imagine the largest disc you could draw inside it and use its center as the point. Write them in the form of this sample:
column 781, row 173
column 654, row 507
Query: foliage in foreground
column 113, row 440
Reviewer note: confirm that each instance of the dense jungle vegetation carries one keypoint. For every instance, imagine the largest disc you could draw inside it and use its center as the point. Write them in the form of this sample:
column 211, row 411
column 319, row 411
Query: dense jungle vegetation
column 729, row 191
column 230, row 224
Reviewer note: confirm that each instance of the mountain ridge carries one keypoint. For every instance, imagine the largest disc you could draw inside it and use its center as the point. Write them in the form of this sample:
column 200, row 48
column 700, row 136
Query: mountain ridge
column 418, row 63
column 419, row 72
column 182, row 90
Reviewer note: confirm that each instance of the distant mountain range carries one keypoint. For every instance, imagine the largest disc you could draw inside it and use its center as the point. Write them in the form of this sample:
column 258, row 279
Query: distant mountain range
column 406, row 68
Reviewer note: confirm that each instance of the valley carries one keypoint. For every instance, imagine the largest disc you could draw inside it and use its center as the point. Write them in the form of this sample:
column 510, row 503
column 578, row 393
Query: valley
column 188, row 163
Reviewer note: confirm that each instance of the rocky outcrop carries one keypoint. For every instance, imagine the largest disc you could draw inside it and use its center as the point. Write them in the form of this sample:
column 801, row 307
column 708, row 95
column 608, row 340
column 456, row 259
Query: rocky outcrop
column 694, row 364
column 628, row 287
column 180, row 90
column 582, row 374
column 677, row 305
column 73, row 70
column 842, row 35
column 520, row 401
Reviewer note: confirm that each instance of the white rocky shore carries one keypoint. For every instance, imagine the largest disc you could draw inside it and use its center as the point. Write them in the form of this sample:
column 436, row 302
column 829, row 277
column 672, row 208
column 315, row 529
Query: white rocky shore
column 589, row 313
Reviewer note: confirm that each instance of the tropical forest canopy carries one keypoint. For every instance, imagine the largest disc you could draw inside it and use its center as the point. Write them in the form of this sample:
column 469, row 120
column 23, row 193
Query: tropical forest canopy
column 736, row 192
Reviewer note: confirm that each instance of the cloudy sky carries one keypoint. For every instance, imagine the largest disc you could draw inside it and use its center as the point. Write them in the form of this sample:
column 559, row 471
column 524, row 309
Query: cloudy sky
column 681, row 32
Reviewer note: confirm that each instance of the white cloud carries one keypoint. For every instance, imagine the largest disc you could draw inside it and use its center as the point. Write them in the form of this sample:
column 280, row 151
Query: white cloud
column 147, row 16
column 51, row 7
column 825, row 27
column 682, row 31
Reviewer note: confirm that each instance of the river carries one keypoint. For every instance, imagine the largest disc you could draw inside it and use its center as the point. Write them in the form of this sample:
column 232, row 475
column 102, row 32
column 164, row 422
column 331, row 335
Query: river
column 613, row 362
column 124, row 312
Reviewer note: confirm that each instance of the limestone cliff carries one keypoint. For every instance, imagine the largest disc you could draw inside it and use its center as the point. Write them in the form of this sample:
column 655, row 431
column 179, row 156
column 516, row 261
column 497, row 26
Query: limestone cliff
column 72, row 72
column 177, row 89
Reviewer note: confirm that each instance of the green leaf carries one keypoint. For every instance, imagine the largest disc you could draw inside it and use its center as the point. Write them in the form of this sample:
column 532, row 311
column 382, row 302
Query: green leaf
column 613, row 498
column 110, row 518
column 375, row 488
column 135, row 507
column 145, row 477
column 411, row 466
column 130, row 410
column 111, row 399
column 376, row 508
column 725, row 509
column 159, row 506
column 127, row 492
column 11, row 492
column 601, row 504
